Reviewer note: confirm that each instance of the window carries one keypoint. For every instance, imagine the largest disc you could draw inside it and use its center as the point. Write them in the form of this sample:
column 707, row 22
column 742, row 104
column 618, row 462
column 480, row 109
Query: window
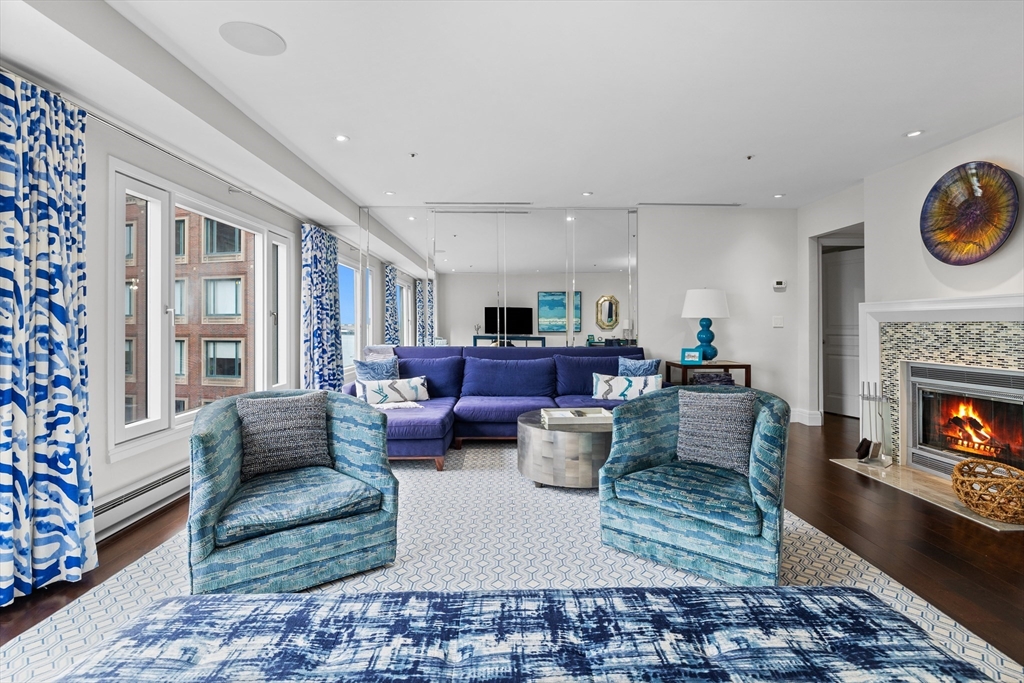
column 277, row 303
column 368, row 303
column 129, row 358
column 180, row 300
column 180, row 405
column 129, row 244
column 222, row 242
column 129, row 409
column 129, row 301
column 223, row 298
column 181, row 240
column 180, row 360
column 347, row 309
column 223, row 359
column 406, row 310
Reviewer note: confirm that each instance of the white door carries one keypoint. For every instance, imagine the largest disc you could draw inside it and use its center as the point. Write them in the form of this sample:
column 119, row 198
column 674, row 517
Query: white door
column 842, row 290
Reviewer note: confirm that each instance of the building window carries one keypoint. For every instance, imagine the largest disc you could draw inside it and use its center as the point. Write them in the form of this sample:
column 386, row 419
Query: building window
column 223, row 299
column 347, row 309
column 129, row 244
column 129, row 409
column 222, row 360
column 180, row 405
column 129, row 301
column 222, row 242
column 180, row 361
column 181, row 240
column 129, row 359
column 180, row 301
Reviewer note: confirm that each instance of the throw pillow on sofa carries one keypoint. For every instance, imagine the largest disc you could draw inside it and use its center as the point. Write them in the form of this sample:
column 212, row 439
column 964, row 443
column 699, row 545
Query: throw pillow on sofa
column 716, row 428
column 575, row 374
column 376, row 392
column 491, row 377
column 386, row 368
column 632, row 367
column 610, row 388
column 444, row 375
column 283, row 433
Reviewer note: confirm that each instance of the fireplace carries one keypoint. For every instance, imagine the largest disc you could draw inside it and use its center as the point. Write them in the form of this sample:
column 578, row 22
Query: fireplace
column 960, row 413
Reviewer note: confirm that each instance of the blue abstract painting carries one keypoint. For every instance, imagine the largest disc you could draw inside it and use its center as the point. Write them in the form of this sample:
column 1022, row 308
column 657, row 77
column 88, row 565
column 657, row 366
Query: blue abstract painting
column 551, row 312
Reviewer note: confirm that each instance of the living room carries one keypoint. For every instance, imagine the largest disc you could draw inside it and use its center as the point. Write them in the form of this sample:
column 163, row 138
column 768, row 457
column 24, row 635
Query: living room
column 629, row 150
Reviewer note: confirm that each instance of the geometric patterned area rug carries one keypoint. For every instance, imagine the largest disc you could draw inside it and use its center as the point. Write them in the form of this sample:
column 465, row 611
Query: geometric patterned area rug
column 480, row 525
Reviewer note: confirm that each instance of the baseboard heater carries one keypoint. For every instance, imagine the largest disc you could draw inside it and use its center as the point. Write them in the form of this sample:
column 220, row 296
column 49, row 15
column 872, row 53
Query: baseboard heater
column 130, row 506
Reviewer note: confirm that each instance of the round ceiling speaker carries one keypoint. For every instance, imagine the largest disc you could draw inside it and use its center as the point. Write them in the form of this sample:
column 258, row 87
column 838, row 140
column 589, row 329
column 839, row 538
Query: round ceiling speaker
column 252, row 38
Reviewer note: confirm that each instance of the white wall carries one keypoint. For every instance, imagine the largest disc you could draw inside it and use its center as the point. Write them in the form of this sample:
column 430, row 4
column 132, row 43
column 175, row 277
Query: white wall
column 462, row 298
column 737, row 250
column 897, row 265
column 103, row 142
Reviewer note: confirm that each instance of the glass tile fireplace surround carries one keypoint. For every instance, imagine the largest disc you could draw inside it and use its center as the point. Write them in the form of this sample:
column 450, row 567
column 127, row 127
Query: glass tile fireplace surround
column 964, row 412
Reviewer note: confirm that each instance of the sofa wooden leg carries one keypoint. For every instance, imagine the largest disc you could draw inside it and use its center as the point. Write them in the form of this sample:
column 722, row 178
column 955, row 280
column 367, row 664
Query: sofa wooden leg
column 457, row 444
column 439, row 463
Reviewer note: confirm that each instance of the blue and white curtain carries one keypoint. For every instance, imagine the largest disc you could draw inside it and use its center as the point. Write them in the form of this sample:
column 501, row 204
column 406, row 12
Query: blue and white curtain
column 46, row 501
column 421, row 323
column 391, row 328
column 430, row 312
column 321, row 315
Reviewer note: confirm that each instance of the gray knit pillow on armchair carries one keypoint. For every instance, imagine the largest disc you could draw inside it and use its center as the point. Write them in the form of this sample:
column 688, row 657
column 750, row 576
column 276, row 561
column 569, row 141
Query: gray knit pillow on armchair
column 716, row 428
column 283, row 433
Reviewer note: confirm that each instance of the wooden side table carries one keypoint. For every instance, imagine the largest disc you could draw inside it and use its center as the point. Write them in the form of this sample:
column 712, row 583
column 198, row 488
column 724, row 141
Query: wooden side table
column 684, row 370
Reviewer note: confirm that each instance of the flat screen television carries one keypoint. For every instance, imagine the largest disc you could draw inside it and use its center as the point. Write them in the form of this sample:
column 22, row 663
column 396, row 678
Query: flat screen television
column 519, row 320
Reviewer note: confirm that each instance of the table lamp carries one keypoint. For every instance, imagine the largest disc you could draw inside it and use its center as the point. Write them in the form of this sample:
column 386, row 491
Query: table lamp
column 705, row 304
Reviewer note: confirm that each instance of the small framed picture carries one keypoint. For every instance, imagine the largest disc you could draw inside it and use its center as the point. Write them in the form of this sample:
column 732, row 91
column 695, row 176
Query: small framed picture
column 691, row 356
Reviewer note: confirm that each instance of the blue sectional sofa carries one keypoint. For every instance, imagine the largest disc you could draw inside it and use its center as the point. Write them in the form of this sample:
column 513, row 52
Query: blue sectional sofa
column 479, row 392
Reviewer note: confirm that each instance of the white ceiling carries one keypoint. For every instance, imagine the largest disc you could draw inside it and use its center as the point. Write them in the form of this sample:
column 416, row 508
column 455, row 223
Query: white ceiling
column 635, row 101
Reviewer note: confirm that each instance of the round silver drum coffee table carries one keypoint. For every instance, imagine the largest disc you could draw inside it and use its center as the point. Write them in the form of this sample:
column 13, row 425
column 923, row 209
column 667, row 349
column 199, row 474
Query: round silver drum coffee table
column 562, row 455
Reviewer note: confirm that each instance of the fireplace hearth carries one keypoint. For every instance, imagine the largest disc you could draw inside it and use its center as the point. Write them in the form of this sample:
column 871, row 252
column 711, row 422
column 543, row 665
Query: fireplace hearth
column 960, row 413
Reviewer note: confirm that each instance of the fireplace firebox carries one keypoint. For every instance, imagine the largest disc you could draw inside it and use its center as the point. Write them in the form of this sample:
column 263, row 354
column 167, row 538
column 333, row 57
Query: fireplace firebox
column 963, row 413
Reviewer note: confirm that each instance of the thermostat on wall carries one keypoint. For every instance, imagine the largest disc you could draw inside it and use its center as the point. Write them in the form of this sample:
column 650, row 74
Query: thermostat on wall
column 779, row 285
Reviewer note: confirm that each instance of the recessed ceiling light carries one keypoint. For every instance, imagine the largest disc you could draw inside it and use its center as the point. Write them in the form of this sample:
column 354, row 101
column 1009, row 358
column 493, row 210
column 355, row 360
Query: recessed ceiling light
column 779, row 196
column 389, row 193
column 913, row 133
column 341, row 138
column 568, row 218
column 252, row 38
column 446, row 260
column 453, row 270
column 412, row 218
column 587, row 194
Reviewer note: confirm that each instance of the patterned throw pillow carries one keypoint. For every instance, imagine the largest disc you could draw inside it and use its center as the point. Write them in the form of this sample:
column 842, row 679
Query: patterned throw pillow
column 716, row 428
column 611, row 388
column 632, row 367
column 377, row 369
column 283, row 433
column 376, row 392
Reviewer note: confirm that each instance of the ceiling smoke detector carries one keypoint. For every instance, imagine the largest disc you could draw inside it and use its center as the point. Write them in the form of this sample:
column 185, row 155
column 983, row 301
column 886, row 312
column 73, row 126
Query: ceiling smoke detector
column 252, row 38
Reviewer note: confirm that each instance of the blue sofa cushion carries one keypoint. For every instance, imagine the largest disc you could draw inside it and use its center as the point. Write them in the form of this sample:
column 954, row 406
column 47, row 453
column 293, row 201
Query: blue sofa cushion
column 712, row 494
column 635, row 367
column 284, row 500
column 431, row 421
column 586, row 401
column 499, row 408
column 444, row 375
column 489, row 377
column 377, row 369
column 575, row 374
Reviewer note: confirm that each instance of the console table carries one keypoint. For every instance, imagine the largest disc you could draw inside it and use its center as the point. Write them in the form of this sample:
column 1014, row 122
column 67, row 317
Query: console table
column 684, row 370
column 507, row 337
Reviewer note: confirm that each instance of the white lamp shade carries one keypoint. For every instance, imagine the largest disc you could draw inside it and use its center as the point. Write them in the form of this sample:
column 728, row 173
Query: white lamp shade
column 705, row 303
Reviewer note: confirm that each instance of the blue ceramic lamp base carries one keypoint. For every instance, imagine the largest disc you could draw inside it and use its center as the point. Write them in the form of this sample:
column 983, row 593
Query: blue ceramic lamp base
column 705, row 337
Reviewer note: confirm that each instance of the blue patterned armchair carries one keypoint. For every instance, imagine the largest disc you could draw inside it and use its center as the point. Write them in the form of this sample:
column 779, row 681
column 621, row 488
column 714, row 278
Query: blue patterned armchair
column 286, row 531
column 704, row 519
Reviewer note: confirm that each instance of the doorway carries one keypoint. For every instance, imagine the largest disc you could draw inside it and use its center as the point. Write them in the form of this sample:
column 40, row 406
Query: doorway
column 842, row 292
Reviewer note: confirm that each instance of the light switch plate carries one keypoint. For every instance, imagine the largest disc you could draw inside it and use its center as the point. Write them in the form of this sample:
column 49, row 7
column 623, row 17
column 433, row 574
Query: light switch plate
column 776, row 321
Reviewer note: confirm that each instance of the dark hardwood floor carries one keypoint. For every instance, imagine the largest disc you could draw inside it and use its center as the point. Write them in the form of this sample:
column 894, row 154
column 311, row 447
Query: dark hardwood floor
column 973, row 574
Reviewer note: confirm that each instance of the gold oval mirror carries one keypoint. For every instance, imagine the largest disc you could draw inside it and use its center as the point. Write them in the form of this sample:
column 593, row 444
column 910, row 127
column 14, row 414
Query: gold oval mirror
column 607, row 312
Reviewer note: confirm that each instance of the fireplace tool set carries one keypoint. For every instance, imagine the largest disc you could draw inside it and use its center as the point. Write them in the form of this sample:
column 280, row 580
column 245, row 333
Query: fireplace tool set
column 874, row 426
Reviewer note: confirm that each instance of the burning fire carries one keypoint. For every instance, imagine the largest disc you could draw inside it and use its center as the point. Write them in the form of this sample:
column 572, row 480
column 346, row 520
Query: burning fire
column 966, row 432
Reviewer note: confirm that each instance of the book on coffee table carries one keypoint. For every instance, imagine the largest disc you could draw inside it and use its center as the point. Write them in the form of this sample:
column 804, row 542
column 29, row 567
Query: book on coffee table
column 575, row 416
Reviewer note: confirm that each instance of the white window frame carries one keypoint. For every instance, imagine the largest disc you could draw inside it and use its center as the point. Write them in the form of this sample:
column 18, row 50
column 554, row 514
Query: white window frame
column 178, row 427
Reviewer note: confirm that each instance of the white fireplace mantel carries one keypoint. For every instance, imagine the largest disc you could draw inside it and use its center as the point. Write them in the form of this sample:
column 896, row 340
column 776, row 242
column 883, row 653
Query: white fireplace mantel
column 1001, row 308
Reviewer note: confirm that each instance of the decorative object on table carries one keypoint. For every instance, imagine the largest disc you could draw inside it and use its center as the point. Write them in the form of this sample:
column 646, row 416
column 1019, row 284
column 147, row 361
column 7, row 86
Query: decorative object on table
column 575, row 416
column 590, row 337
column 476, row 328
column 990, row 488
column 386, row 368
column 969, row 213
column 607, row 312
column 638, row 367
column 874, row 411
column 705, row 379
column 694, row 356
column 706, row 304
column 608, row 387
column 552, row 315
column 627, row 328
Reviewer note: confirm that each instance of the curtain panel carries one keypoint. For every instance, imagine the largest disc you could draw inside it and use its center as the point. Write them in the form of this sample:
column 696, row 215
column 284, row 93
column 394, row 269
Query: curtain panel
column 421, row 322
column 391, row 325
column 430, row 313
column 321, row 316
column 46, row 497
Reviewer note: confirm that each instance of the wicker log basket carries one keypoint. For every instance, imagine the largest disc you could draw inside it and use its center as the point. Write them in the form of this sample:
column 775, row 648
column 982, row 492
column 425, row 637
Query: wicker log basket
column 991, row 489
